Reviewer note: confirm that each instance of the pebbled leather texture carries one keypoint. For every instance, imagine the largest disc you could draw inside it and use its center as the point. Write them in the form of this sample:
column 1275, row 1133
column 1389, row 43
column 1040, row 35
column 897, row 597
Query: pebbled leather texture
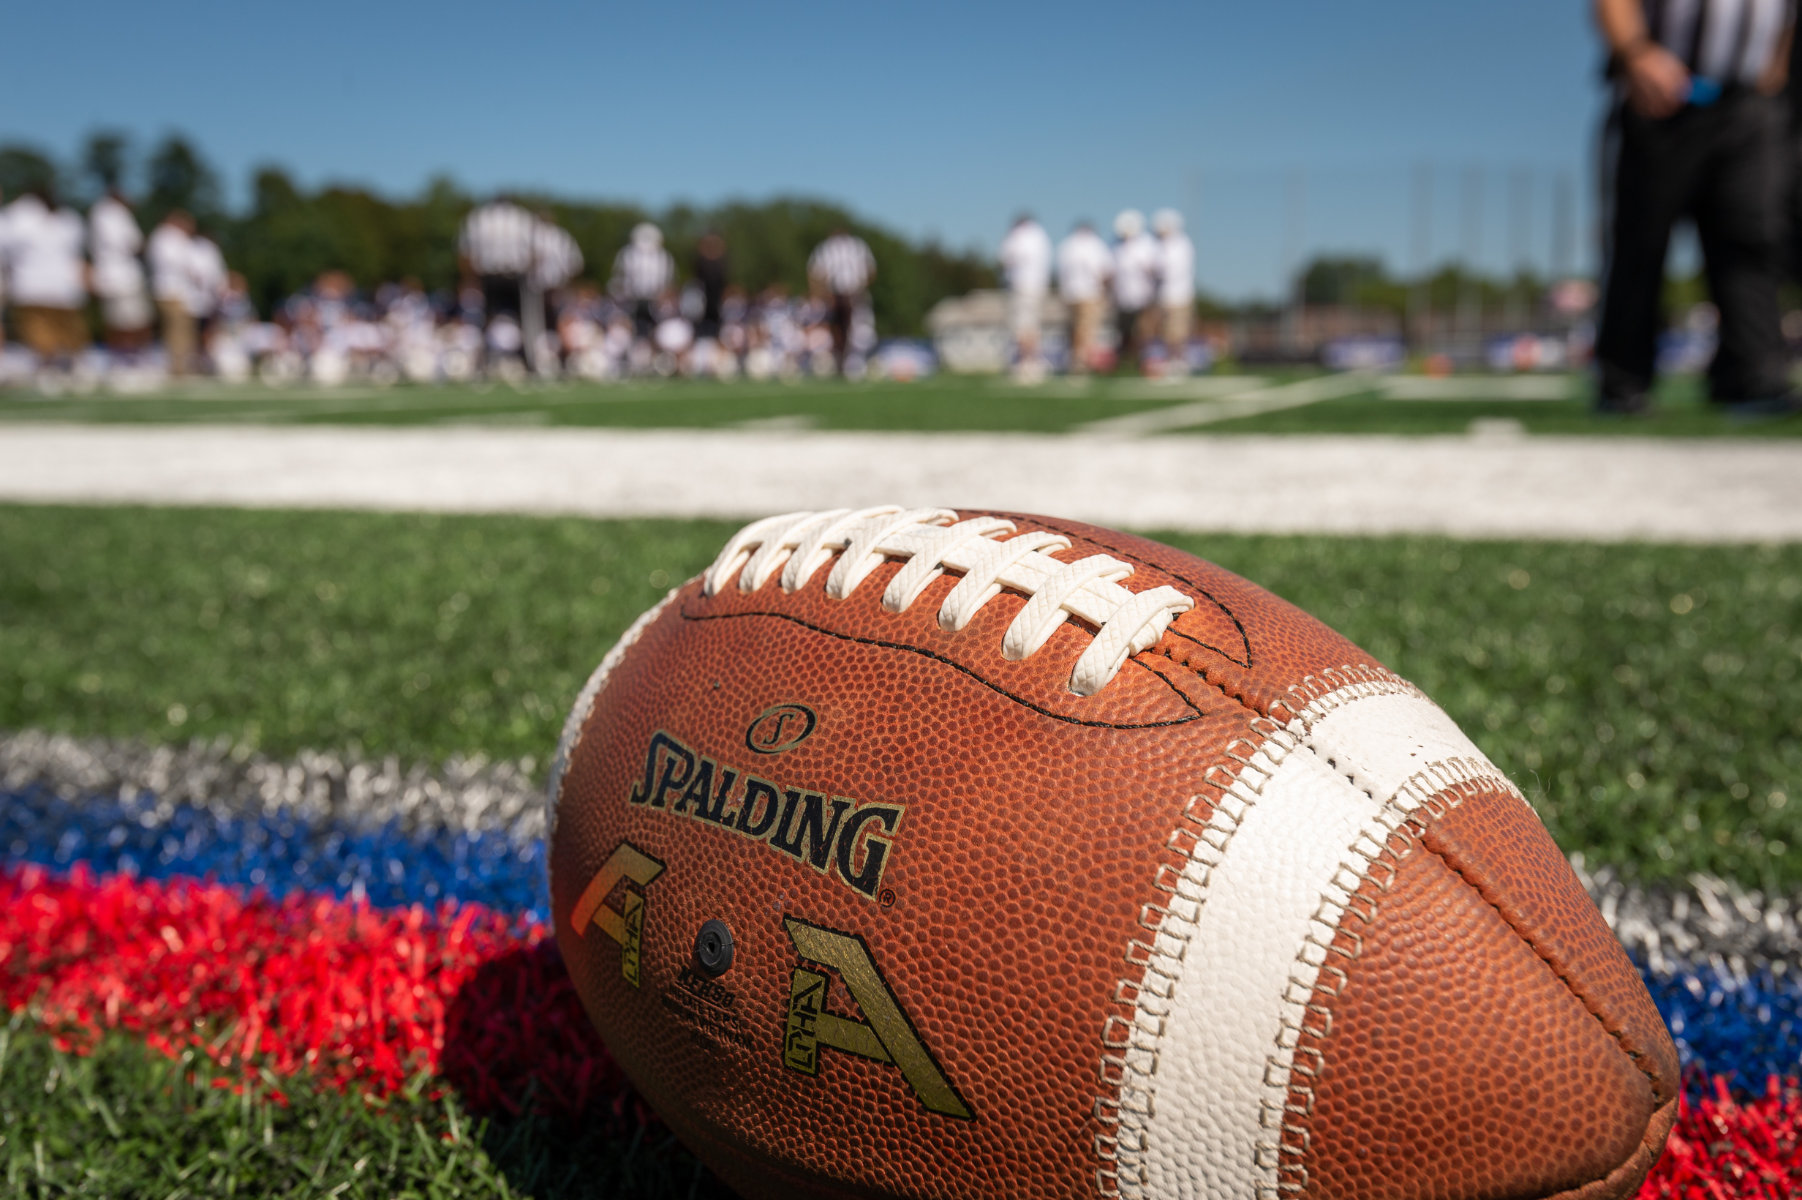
column 1461, row 1060
column 1025, row 841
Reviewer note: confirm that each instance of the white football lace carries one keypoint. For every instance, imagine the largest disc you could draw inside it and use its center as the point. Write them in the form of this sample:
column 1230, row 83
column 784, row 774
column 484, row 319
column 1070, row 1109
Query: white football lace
column 933, row 541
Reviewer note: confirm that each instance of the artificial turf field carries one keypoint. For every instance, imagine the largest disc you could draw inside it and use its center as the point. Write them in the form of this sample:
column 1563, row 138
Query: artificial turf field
column 1647, row 698
column 940, row 403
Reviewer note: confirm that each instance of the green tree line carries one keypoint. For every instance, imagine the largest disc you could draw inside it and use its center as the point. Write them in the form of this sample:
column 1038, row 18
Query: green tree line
column 286, row 234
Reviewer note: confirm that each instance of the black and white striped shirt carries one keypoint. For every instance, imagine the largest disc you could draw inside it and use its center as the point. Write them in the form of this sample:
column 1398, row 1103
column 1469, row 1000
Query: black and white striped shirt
column 842, row 263
column 556, row 259
column 1728, row 41
column 642, row 271
column 497, row 239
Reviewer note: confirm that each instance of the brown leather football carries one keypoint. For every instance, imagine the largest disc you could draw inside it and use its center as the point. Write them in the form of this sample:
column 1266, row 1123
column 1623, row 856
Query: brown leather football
column 953, row 854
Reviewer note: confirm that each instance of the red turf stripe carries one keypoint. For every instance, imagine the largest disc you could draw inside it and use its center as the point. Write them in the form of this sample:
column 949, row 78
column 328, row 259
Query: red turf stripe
column 1723, row 1149
column 366, row 998
column 357, row 996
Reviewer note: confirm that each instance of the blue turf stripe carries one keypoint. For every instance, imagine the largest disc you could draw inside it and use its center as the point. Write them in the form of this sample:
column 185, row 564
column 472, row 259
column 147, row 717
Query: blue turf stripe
column 1744, row 1025
column 1748, row 1025
column 279, row 854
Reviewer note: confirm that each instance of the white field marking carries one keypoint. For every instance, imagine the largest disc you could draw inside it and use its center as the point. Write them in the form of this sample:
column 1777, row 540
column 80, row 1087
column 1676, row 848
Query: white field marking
column 1478, row 387
column 1186, row 387
column 1596, row 488
column 1231, row 406
column 1236, row 959
column 584, row 705
column 527, row 416
column 784, row 423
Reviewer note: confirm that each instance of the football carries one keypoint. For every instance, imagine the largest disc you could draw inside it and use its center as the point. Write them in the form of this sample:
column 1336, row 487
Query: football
column 966, row 854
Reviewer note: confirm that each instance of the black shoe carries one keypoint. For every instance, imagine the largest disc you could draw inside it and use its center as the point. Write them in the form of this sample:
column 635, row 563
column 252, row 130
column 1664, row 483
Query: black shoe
column 1761, row 408
column 1625, row 404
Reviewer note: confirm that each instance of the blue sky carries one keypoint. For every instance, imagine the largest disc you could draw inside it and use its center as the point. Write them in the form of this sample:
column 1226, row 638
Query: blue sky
column 1282, row 128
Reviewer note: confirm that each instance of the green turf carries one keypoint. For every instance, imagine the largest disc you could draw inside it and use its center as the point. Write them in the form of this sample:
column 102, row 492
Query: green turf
column 126, row 1121
column 1646, row 698
column 947, row 403
column 950, row 404
column 414, row 635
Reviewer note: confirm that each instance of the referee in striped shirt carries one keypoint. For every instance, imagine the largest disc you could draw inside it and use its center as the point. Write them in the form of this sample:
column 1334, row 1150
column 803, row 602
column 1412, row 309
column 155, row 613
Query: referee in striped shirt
column 642, row 271
column 841, row 269
column 496, row 248
column 1697, row 130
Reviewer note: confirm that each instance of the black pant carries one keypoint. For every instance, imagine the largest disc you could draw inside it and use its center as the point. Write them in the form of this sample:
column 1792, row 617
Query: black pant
column 1127, row 322
column 644, row 320
column 501, row 296
column 1726, row 167
column 838, row 323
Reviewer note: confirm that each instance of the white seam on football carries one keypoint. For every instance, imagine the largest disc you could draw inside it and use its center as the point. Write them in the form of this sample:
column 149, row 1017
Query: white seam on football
column 584, row 705
column 932, row 542
column 1235, row 952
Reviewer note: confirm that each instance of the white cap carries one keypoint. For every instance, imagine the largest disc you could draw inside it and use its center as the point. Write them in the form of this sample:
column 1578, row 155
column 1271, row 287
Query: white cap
column 1129, row 224
column 646, row 234
column 1167, row 221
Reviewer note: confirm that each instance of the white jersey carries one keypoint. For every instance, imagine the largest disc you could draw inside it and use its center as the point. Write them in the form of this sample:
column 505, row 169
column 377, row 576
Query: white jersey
column 114, row 243
column 171, row 257
column 206, row 276
column 1084, row 265
column 43, row 255
column 1176, row 275
column 1026, row 259
column 1136, row 264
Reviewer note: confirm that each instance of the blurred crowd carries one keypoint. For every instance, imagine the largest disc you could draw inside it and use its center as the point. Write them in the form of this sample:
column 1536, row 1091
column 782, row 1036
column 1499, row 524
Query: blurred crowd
column 94, row 299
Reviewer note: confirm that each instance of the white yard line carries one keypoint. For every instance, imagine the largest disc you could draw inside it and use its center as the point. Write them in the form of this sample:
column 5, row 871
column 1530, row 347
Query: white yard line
column 1478, row 387
column 1716, row 490
column 1232, row 405
column 1185, row 387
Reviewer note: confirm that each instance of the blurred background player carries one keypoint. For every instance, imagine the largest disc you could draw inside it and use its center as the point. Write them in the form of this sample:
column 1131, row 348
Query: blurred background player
column 114, row 244
column 1697, row 130
column 494, row 249
column 47, row 276
column 1084, row 267
column 642, row 272
column 841, row 269
column 1026, row 262
column 1136, row 263
column 171, row 255
column 712, row 274
column 207, row 277
column 556, row 260
column 3, row 268
column 1176, row 287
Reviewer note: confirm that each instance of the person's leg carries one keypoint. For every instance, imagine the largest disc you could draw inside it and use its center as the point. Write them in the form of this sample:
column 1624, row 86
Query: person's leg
column 1126, row 328
column 1647, row 189
column 37, row 330
column 1176, row 336
column 1082, row 335
column 178, row 335
column 1023, row 317
column 71, row 332
column 840, row 324
column 1739, row 217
